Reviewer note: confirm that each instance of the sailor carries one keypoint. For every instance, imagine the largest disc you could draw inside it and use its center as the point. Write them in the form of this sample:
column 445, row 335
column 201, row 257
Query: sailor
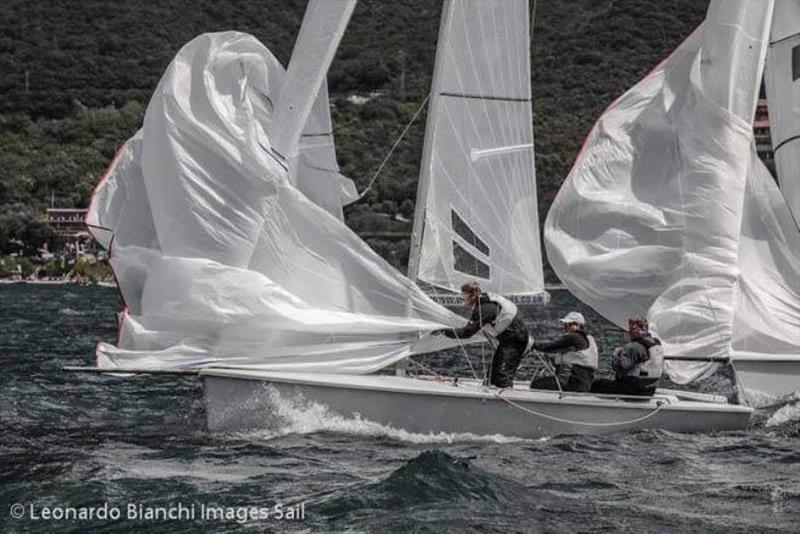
column 497, row 318
column 575, row 358
column 637, row 366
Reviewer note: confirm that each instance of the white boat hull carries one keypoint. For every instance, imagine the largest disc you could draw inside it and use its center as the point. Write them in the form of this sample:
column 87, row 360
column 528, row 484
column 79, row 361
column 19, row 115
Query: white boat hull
column 244, row 400
column 776, row 376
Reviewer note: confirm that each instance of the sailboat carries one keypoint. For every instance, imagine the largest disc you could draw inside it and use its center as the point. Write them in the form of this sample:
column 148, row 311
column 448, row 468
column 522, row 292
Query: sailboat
column 672, row 214
column 228, row 267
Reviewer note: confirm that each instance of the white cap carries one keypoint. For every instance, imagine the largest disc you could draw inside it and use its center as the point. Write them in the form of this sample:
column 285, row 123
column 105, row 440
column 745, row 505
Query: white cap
column 574, row 317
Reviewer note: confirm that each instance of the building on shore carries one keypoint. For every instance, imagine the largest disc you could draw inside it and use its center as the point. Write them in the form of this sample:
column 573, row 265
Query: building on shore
column 68, row 223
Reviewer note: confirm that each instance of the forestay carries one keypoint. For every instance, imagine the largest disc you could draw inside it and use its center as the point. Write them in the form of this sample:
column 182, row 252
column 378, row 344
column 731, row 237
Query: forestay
column 669, row 212
column 782, row 77
column 476, row 212
column 221, row 259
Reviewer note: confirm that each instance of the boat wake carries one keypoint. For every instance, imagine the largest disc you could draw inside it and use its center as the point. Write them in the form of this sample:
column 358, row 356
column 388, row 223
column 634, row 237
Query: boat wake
column 787, row 413
column 298, row 415
column 759, row 399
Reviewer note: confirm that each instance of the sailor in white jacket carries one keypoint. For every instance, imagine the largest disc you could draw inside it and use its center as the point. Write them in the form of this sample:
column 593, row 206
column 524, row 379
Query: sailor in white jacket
column 497, row 318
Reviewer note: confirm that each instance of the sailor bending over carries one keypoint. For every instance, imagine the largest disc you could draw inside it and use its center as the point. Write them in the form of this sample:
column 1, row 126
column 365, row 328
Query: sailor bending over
column 575, row 360
column 497, row 318
column 637, row 366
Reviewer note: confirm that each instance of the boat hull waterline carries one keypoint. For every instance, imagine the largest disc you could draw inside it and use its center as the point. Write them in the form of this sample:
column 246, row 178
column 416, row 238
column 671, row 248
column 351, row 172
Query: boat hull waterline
column 238, row 400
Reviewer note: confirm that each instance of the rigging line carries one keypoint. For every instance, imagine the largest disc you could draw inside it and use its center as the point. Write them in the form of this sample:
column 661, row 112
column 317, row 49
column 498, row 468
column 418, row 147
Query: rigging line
column 391, row 150
column 464, row 351
column 483, row 347
column 428, row 369
column 659, row 406
column 550, row 369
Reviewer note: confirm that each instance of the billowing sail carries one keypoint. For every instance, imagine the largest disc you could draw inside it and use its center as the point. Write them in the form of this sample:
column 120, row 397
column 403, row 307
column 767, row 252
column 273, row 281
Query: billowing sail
column 221, row 259
column 663, row 212
column 782, row 77
column 476, row 215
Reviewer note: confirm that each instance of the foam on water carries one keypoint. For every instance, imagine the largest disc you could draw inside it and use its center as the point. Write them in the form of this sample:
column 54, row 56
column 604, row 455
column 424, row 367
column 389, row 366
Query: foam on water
column 760, row 399
column 70, row 311
column 788, row 413
column 301, row 416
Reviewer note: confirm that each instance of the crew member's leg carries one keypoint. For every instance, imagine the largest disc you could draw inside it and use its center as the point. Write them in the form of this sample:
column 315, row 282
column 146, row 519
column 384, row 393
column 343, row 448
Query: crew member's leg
column 605, row 385
column 544, row 382
column 580, row 379
column 510, row 356
column 497, row 367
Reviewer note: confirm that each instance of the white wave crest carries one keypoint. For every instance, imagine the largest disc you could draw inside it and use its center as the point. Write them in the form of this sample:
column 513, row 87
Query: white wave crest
column 301, row 416
column 785, row 414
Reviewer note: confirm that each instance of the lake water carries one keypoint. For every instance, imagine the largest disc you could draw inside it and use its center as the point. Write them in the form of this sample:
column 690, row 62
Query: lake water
column 98, row 442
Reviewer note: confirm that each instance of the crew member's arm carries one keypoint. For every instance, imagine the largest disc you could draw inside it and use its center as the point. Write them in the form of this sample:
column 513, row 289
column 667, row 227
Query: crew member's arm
column 562, row 344
column 481, row 314
column 630, row 355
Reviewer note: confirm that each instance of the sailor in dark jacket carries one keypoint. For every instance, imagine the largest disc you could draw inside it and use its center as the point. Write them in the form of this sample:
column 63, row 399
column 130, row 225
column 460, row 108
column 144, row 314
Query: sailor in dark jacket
column 576, row 357
column 637, row 366
column 497, row 318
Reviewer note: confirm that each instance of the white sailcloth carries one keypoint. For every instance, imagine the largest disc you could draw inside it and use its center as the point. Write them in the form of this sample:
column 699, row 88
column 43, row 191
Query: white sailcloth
column 324, row 23
column 782, row 77
column 667, row 206
column 221, row 259
column 477, row 212
column 314, row 170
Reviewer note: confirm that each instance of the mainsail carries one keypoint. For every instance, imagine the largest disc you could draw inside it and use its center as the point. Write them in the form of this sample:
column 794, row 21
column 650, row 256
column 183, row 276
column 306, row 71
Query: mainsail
column 221, row 258
column 669, row 212
column 476, row 215
column 782, row 77
column 314, row 170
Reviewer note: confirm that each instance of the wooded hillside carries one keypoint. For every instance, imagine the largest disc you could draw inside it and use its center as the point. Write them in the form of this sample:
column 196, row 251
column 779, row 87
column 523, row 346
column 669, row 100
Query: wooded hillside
column 77, row 77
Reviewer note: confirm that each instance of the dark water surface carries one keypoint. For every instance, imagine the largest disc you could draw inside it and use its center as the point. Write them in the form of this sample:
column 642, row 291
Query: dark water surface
column 70, row 440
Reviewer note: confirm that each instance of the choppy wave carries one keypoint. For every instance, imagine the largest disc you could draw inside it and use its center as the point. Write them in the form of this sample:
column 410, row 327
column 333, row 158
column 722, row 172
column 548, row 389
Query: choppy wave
column 94, row 439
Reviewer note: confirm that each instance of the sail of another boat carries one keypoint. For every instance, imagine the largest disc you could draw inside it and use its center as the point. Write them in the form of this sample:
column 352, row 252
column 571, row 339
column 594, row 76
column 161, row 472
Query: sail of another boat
column 669, row 212
column 782, row 77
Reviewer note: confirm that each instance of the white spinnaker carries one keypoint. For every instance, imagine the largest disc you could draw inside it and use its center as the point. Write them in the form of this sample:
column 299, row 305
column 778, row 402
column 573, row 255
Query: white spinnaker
column 221, row 259
column 782, row 77
column 477, row 216
column 650, row 219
